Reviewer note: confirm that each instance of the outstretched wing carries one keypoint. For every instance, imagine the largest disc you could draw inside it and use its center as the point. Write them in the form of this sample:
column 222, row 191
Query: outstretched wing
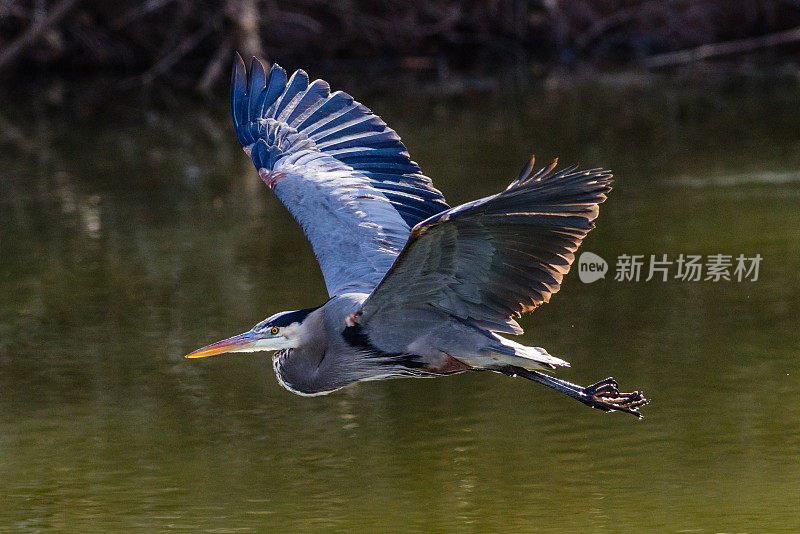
column 342, row 173
column 495, row 258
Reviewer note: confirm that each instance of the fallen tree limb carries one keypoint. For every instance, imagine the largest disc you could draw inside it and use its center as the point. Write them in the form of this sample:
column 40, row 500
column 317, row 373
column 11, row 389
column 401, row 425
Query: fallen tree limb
column 722, row 49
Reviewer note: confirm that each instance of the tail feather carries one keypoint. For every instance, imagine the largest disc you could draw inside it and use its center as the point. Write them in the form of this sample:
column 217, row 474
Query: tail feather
column 510, row 352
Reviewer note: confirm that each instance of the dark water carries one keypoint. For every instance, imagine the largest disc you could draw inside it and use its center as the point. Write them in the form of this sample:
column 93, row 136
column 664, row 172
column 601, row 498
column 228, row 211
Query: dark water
column 130, row 237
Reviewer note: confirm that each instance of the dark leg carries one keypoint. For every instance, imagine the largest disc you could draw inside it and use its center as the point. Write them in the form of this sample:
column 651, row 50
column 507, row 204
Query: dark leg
column 603, row 395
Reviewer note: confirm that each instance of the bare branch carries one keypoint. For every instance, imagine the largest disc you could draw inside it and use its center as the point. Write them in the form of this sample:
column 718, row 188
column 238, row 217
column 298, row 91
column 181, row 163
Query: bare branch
column 215, row 67
column 35, row 30
column 723, row 49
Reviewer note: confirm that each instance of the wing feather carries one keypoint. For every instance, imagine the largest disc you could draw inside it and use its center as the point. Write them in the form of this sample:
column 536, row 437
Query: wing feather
column 490, row 260
column 342, row 173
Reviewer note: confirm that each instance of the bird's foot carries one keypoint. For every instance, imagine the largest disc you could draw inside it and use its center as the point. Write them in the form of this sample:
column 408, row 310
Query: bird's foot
column 605, row 396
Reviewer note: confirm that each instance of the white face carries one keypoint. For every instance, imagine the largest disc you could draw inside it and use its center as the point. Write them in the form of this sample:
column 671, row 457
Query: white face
column 272, row 337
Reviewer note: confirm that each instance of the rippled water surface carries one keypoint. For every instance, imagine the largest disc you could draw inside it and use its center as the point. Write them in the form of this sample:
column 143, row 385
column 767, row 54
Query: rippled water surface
column 129, row 237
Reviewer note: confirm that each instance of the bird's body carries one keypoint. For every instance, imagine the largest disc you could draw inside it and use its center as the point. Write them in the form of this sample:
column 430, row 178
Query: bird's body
column 416, row 288
column 333, row 353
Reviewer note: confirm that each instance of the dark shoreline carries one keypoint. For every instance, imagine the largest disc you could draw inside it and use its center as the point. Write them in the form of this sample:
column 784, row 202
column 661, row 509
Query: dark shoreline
column 188, row 44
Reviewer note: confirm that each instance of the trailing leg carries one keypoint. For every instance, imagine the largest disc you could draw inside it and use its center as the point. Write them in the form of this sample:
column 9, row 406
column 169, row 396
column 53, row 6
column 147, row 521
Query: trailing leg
column 603, row 395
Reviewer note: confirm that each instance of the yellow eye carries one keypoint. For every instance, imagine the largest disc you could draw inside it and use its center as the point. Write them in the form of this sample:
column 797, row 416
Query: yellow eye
column 274, row 330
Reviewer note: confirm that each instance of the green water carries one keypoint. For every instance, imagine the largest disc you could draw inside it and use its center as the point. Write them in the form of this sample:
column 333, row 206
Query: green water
column 130, row 236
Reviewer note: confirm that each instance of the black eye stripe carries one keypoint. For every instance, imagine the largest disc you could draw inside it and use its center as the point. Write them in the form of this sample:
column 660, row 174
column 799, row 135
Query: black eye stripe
column 283, row 319
column 291, row 317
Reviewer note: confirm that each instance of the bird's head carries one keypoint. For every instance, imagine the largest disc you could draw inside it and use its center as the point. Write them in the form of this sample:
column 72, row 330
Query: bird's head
column 283, row 330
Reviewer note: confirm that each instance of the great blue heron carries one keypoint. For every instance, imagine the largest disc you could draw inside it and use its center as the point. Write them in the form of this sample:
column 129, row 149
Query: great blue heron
column 417, row 288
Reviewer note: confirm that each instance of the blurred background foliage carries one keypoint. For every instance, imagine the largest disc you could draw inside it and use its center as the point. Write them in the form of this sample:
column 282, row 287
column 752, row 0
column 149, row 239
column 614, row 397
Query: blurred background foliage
column 189, row 42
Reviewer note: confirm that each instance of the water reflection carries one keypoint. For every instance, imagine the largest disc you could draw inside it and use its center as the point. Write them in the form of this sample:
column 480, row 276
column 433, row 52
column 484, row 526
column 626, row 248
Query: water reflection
column 128, row 238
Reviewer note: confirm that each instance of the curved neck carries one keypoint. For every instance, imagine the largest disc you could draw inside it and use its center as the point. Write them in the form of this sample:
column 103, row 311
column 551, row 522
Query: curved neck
column 298, row 370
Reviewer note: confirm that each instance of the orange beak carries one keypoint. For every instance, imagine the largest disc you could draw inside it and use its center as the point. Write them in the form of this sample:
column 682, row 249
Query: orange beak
column 239, row 343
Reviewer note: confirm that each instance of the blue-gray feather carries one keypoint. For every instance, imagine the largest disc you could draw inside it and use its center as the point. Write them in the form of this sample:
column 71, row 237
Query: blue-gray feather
column 493, row 259
column 340, row 170
column 338, row 126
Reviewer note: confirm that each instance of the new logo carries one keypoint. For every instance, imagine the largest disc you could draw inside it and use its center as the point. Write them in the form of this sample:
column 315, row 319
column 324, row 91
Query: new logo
column 591, row 267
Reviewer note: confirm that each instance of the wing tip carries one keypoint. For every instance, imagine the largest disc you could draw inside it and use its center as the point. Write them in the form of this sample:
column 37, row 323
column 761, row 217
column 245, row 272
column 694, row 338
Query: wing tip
column 238, row 89
column 257, row 70
column 238, row 62
column 600, row 179
column 238, row 74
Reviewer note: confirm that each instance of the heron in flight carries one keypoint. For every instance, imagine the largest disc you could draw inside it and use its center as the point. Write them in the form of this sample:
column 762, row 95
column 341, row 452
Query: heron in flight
column 417, row 288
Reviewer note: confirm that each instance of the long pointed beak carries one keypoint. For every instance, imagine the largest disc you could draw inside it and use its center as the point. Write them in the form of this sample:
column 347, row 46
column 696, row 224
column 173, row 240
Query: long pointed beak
column 240, row 343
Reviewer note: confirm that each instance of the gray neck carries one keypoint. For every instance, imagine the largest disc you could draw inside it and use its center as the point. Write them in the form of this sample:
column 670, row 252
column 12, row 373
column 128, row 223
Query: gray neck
column 298, row 369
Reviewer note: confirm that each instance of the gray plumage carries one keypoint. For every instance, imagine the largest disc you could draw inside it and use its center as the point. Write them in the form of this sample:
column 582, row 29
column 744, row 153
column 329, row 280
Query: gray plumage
column 417, row 288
